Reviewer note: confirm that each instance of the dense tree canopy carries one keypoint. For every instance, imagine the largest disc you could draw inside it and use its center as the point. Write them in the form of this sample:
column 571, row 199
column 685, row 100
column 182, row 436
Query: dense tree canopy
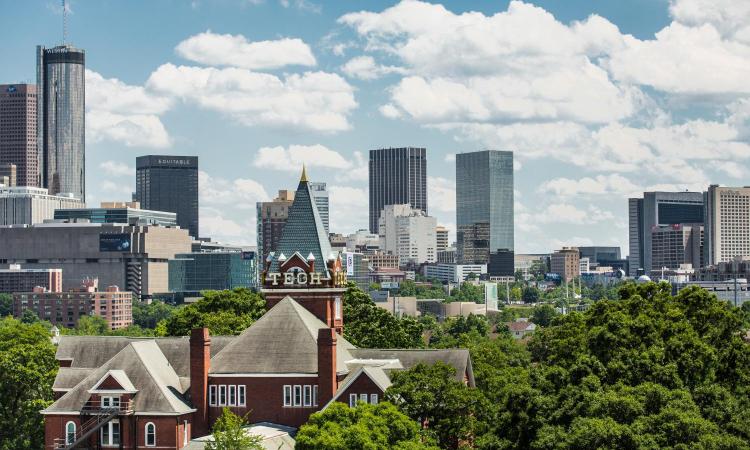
column 148, row 315
column 222, row 312
column 6, row 305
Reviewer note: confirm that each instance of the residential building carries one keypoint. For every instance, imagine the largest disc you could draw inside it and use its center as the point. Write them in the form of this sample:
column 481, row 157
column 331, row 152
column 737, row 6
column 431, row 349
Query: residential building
column 272, row 217
column 727, row 224
column 320, row 194
column 673, row 246
column 117, row 212
column 26, row 205
column 398, row 176
column 169, row 183
column 521, row 328
column 131, row 256
column 441, row 236
column 19, row 157
column 657, row 209
column 566, row 263
column 447, row 256
column 8, row 175
column 453, row 273
column 61, row 106
column 16, row 279
column 408, row 233
column 484, row 205
column 191, row 273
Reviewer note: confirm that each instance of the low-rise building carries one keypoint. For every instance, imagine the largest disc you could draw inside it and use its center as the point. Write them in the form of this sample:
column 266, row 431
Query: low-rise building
column 15, row 279
column 191, row 273
column 453, row 273
column 117, row 212
column 26, row 205
column 380, row 260
column 566, row 263
column 521, row 328
column 447, row 256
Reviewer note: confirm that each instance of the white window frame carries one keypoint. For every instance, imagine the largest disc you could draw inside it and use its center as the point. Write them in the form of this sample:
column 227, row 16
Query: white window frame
column 185, row 433
column 241, row 395
column 352, row 400
column 222, row 395
column 363, row 398
column 212, row 395
column 109, row 426
column 337, row 308
column 232, row 395
column 373, row 399
column 68, row 440
column 315, row 395
column 307, row 396
column 287, row 395
column 110, row 401
column 146, row 433
column 297, row 395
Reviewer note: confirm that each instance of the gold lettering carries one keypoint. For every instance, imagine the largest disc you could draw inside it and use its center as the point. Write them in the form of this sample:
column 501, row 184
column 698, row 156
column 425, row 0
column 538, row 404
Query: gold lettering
column 288, row 278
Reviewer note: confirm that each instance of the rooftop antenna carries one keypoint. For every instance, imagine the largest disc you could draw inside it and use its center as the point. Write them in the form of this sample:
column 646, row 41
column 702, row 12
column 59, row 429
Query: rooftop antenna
column 65, row 21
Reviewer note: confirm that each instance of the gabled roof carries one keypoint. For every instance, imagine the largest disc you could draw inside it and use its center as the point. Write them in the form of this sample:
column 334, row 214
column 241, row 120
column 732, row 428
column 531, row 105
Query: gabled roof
column 304, row 232
column 521, row 326
column 459, row 358
column 119, row 377
column 376, row 374
column 283, row 340
column 68, row 377
column 149, row 372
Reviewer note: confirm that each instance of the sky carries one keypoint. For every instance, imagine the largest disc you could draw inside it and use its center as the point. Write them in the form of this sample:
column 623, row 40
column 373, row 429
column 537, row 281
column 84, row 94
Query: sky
column 598, row 100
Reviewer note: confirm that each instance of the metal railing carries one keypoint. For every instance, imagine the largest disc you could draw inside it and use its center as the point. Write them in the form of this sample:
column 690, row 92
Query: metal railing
column 101, row 415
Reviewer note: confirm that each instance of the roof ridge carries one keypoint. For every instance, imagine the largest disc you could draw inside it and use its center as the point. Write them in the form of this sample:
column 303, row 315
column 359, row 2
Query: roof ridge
column 157, row 380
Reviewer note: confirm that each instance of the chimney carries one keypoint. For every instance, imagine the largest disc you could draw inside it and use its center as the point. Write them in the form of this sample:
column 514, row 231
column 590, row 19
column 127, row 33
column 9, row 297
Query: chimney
column 327, row 382
column 200, row 361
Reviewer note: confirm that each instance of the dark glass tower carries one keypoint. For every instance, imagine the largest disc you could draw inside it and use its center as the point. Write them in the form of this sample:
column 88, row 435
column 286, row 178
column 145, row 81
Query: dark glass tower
column 397, row 176
column 169, row 183
column 484, row 205
column 61, row 94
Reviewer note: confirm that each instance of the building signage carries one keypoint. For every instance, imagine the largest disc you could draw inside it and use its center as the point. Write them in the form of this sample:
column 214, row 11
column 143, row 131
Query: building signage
column 294, row 279
column 350, row 264
column 10, row 89
column 114, row 242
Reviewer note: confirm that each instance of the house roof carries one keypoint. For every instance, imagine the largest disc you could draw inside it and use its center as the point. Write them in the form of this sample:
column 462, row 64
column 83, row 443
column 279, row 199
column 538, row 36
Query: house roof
column 284, row 340
column 304, row 232
column 521, row 326
column 458, row 358
column 120, row 377
column 149, row 372
column 68, row 377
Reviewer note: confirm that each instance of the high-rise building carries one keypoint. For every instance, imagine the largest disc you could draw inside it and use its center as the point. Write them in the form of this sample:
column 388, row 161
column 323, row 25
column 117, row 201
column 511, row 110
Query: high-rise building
column 61, row 104
column 29, row 205
column 18, row 128
column 566, row 263
column 219, row 270
column 272, row 217
column 408, row 233
column 484, row 205
column 657, row 209
column 398, row 176
column 169, row 183
column 8, row 175
column 320, row 194
column 675, row 245
column 441, row 235
column 727, row 224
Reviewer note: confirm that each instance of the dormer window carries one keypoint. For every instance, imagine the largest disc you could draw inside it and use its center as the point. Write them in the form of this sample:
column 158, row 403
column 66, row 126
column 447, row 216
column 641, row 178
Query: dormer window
column 110, row 402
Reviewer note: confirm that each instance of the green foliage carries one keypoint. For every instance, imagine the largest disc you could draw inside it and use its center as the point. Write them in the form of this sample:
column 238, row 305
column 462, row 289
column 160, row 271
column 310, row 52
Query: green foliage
column 530, row 294
column 98, row 326
column 543, row 315
column 379, row 426
column 229, row 434
column 408, row 288
column 370, row 326
column 223, row 312
column 455, row 330
column 468, row 292
column 6, row 305
column 27, row 370
column 147, row 315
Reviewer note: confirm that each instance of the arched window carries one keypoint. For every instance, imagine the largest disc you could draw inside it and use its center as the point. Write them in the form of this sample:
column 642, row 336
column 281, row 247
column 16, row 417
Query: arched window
column 150, row 434
column 70, row 433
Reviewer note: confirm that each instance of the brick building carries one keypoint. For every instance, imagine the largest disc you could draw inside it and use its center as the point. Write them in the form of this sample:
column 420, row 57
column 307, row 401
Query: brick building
column 566, row 263
column 15, row 279
column 142, row 393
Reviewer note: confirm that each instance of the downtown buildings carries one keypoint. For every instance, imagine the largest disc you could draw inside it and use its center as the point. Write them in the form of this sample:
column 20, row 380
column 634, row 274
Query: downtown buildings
column 397, row 176
column 409, row 234
column 27, row 205
column 727, row 227
column 19, row 159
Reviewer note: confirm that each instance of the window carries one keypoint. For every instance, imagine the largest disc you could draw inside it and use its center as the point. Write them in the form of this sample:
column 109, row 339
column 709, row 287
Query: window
column 287, row 395
column 150, row 434
column 374, row 399
column 315, row 395
column 232, row 395
column 352, row 400
column 184, row 433
column 110, row 433
column 363, row 398
column 110, row 402
column 337, row 307
column 70, row 433
column 297, row 395
column 212, row 395
column 222, row 395
column 308, row 395
column 241, row 395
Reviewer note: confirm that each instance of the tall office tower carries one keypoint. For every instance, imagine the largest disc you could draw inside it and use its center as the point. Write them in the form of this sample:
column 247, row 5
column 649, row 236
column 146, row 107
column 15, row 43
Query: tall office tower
column 397, row 176
column 727, row 224
column 169, row 183
column 441, row 234
column 18, row 145
column 658, row 209
column 484, row 205
column 674, row 245
column 408, row 233
column 61, row 97
column 320, row 194
column 272, row 217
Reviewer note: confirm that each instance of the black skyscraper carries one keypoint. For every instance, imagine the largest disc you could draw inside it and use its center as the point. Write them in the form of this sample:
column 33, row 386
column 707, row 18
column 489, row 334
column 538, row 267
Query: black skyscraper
column 397, row 176
column 169, row 183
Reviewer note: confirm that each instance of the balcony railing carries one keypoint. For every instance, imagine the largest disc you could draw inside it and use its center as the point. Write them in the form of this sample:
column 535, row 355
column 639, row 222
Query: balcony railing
column 101, row 415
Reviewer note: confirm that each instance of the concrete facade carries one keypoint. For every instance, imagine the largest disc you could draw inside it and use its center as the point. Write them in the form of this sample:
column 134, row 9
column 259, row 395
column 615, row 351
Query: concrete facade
column 31, row 205
column 566, row 263
column 408, row 233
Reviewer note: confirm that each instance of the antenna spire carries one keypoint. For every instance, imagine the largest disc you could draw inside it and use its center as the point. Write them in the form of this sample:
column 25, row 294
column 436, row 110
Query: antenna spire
column 65, row 21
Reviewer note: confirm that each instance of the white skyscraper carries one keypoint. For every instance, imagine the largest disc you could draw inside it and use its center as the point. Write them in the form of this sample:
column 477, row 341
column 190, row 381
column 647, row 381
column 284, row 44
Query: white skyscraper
column 727, row 225
column 408, row 233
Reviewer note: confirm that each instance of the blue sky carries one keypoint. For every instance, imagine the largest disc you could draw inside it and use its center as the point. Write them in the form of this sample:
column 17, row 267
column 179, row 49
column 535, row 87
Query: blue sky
column 599, row 100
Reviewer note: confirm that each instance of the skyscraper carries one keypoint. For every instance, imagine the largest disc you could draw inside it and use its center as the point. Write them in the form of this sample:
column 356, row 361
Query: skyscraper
column 727, row 224
column 18, row 130
column 657, row 209
column 272, row 217
column 169, row 183
column 397, row 176
column 60, row 81
column 484, row 205
column 320, row 194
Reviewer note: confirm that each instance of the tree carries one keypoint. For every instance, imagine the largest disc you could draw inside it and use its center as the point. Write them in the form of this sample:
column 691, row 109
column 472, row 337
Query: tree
column 227, row 312
column 543, row 315
column 530, row 294
column 229, row 433
column 27, row 370
column 6, row 305
column 148, row 315
column 380, row 426
column 468, row 292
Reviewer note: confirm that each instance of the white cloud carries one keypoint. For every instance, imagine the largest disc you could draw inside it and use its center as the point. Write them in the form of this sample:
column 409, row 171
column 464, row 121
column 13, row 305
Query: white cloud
column 315, row 101
column 117, row 169
column 290, row 159
column 730, row 17
column 221, row 229
column 133, row 130
column 450, row 158
column 240, row 193
column 302, row 5
column 119, row 190
column 365, row 68
column 613, row 184
column 235, row 50
column 441, row 195
column 348, row 208
column 358, row 172
column 568, row 213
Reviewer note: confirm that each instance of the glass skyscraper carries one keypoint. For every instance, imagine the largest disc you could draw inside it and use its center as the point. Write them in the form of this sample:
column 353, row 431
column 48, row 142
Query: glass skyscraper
column 484, row 205
column 60, row 77
column 398, row 176
column 320, row 194
column 169, row 183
